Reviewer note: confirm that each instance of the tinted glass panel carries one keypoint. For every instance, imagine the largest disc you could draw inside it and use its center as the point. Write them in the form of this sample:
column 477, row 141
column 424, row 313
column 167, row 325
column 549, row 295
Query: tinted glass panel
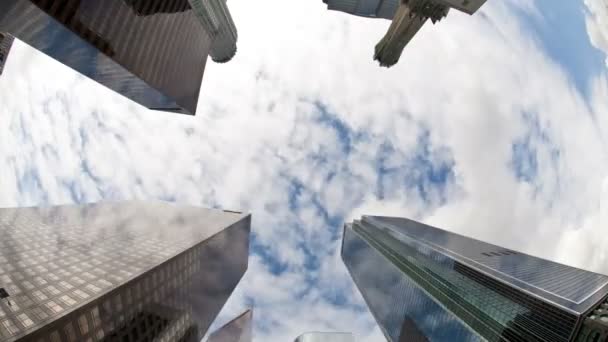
column 566, row 286
column 489, row 307
column 393, row 297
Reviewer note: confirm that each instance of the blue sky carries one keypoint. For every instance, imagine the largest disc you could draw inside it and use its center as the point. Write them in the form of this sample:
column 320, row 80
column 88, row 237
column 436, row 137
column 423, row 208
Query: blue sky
column 562, row 33
column 493, row 126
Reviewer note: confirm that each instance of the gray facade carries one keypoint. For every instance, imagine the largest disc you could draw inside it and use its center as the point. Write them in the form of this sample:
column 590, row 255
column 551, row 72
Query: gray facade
column 6, row 42
column 325, row 337
column 128, row 271
column 466, row 6
column 152, row 51
column 407, row 17
column 237, row 330
column 439, row 286
column 384, row 9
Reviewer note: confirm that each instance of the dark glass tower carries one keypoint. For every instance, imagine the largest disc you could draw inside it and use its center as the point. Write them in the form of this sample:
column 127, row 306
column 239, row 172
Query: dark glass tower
column 151, row 51
column 237, row 330
column 6, row 42
column 130, row 271
column 423, row 283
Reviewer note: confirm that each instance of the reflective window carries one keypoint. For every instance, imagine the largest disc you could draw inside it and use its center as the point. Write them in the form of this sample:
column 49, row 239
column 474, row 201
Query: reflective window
column 72, row 276
column 422, row 268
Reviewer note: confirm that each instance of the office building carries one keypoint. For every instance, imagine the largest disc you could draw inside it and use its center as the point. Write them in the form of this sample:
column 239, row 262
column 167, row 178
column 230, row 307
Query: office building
column 425, row 284
column 325, row 337
column 237, row 330
column 386, row 9
column 152, row 51
column 407, row 16
column 125, row 271
column 6, row 42
column 408, row 20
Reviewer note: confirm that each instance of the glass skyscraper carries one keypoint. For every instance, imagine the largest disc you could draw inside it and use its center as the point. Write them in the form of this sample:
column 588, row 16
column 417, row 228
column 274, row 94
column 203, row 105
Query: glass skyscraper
column 237, row 330
column 425, row 284
column 151, row 51
column 125, row 271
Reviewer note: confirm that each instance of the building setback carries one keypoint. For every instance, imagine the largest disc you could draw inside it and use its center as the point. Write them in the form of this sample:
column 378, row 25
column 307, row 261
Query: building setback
column 125, row 271
column 151, row 51
column 237, row 330
column 425, row 284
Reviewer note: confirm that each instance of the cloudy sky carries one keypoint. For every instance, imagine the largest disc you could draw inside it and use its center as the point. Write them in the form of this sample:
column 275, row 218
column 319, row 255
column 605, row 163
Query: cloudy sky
column 494, row 126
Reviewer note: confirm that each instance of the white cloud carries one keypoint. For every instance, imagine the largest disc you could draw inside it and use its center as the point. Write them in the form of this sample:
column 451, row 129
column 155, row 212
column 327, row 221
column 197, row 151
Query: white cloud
column 260, row 143
column 597, row 24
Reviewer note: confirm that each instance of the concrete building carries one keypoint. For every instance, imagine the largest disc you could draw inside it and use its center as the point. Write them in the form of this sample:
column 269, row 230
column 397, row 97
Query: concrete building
column 125, row 271
column 384, row 9
column 407, row 16
column 425, row 284
column 215, row 15
column 406, row 23
column 152, row 51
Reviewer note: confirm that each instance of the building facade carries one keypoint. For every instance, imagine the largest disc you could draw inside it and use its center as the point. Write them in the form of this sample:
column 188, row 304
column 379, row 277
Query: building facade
column 384, row 9
column 407, row 16
column 130, row 271
column 154, row 52
column 425, row 284
column 325, row 337
column 466, row 6
column 237, row 330
column 6, row 42
column 215, row 15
